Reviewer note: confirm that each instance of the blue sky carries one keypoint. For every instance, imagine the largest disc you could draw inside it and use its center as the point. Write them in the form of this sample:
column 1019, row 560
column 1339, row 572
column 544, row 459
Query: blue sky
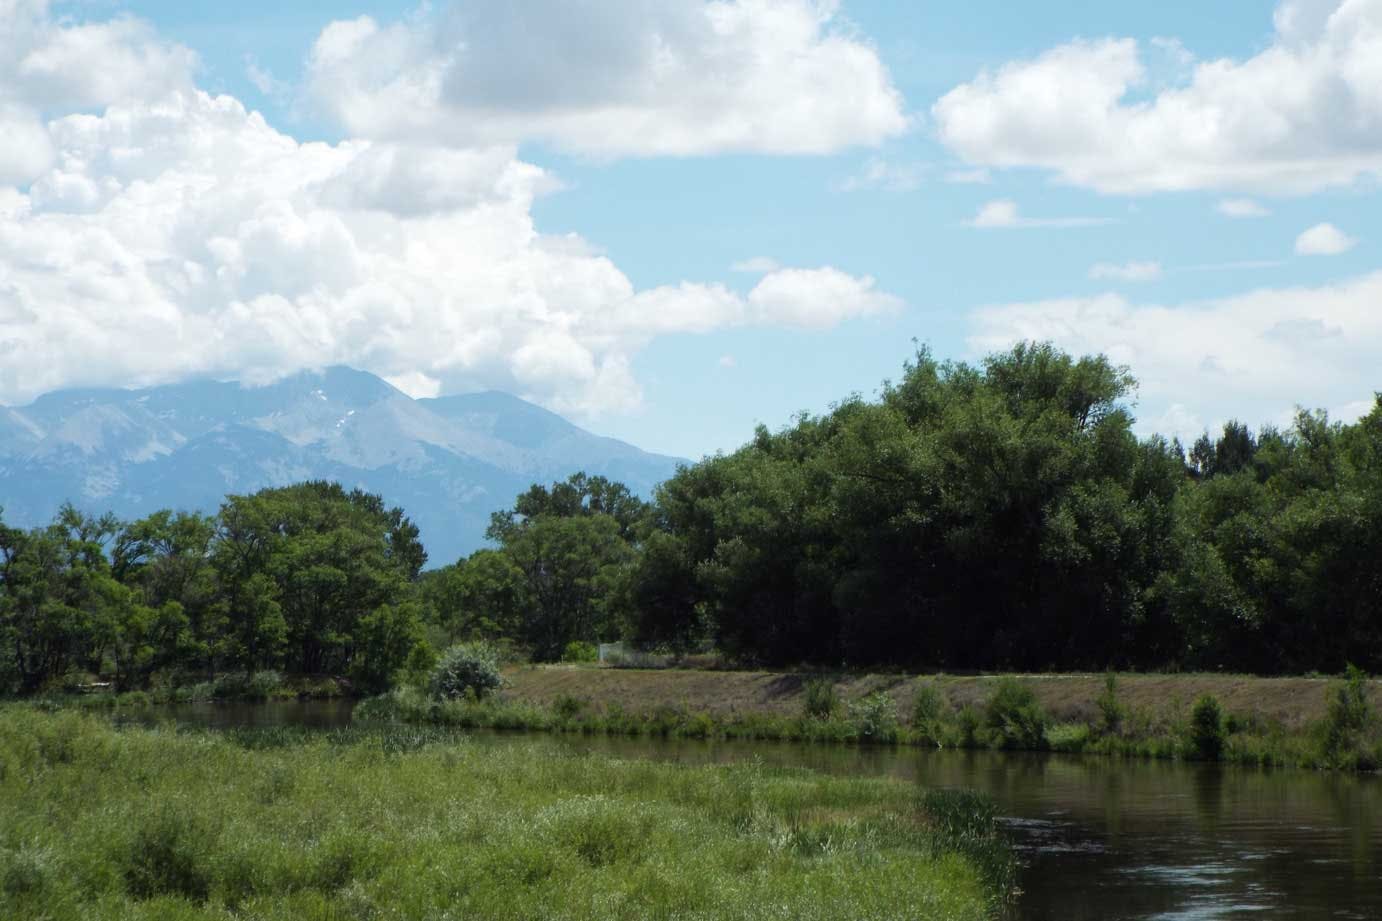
column 1104, row 142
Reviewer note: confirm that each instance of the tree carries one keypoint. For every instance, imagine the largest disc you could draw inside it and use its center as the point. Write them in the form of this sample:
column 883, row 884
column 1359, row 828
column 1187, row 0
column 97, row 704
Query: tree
column 330, row 558
column 569, row 567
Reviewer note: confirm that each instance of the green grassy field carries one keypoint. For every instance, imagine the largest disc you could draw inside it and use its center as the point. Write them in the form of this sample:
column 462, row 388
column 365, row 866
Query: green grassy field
column 405, row 822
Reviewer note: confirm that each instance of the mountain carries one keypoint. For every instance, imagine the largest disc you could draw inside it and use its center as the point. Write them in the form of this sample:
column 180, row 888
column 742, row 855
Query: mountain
column 449, row 462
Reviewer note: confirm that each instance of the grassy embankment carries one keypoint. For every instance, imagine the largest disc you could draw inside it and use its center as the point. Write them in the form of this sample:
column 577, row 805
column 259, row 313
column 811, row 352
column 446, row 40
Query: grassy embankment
column 406, row 822
column 1261, row 721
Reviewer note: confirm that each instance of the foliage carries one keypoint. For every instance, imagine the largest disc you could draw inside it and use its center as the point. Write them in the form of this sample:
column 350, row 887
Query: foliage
column 580, row 651
column 308, row 579
column 1111, row 711
column 470, row 669
column 1207, row 733
column 1014, row 718
column 1348, row 717
column 819, row 700
column 998, row 515
column 874, row 718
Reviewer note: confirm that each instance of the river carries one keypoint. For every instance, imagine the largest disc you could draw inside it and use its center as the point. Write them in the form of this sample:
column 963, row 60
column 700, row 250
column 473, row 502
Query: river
column 1099, row 838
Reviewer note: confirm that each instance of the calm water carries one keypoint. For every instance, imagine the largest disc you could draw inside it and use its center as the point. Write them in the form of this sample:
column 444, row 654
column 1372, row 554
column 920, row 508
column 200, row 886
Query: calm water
column 1099, row 839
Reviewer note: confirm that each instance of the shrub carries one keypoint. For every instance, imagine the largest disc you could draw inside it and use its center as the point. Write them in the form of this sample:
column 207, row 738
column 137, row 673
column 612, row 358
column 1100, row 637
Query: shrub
column 263, row 685
column 968, row 722
column 1111, row 712
column 927, row 706
column 874, row 718
column 820, row 702
column 567, row 707
column 1014, row 718
column 467, row 669
column 1347, row 716
column 579, row 651
column 1206, row 729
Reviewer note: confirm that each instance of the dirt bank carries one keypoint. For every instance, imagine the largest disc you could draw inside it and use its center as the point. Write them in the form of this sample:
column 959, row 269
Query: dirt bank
column 1293, row 702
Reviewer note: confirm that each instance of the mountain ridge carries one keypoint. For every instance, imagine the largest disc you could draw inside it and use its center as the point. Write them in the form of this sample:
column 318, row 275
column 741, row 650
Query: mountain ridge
column 447, row 461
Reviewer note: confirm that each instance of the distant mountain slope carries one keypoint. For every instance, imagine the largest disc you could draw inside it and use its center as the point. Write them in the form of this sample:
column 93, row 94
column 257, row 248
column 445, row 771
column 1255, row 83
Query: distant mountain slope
column 449, row 462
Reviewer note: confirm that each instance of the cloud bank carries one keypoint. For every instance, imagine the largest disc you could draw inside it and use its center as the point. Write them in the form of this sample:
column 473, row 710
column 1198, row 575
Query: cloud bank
column 1304, row 113
column 150, row 231
column 609, row 79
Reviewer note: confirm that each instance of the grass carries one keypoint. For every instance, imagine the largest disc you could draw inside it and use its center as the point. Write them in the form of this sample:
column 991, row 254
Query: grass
column 421, row 822
column 1012, row 715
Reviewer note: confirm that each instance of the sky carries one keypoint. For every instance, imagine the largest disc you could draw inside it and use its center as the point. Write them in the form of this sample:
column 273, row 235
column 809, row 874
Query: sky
column 672, row 222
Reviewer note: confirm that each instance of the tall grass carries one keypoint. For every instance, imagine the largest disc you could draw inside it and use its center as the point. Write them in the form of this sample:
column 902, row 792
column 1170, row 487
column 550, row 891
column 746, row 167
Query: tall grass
column 418, row 822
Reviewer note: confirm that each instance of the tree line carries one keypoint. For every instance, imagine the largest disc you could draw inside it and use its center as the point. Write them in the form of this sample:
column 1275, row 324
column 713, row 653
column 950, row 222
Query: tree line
column 1002, row 514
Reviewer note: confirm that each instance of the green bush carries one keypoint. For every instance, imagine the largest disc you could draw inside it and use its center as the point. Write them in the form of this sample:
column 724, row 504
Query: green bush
column 567, row 707
column 263, row 685
column 1111, row 711
column 580, row 651
column 470, row 669
column 928, row 703
column 1206, row 729
column 1014, row 718
column 1348, row 715
column 874, row 718
column 820, row 701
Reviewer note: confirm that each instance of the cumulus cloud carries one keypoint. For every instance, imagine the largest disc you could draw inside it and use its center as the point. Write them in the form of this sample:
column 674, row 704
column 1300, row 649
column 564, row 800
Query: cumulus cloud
column 1003, row 214
column 181, row 234
column 1242, row 208
column 1324, row 240
column 610, row 78
column 48, row 68
column 1127, row 271
column 1253, row 357
column 1302, row 114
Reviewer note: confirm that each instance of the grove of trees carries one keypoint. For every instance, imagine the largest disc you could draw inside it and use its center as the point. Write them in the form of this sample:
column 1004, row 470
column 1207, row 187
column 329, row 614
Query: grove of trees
column 994, row 515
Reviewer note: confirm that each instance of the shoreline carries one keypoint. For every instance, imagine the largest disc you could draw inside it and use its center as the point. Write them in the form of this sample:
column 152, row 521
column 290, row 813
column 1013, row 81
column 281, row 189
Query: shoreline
column 1263, row 722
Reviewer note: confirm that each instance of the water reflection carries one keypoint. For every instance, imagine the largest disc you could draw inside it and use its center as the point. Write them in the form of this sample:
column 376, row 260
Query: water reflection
column 1100, row 839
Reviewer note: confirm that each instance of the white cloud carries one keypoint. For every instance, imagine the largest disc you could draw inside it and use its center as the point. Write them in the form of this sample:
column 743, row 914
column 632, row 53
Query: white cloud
column 1128, row 271
column 1324, row 240
column 1242, row 208
column 756, row 265
column 47, row 68
column 183, row 235
column 1302, row 114
column 816, row 298
column 611, row 78
column 1252, row 357
column 887, row 176
column 727, row 361
column 1003, row 214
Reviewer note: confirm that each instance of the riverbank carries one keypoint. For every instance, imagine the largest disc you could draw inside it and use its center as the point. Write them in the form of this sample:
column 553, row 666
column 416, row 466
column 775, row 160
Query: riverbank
column 418, row 823
column 1237, row 719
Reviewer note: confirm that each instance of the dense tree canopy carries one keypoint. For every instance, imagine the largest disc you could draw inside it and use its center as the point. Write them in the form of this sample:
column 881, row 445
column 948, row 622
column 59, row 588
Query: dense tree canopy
column 1005, row 515
column 993, row 515
column 308, row 579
